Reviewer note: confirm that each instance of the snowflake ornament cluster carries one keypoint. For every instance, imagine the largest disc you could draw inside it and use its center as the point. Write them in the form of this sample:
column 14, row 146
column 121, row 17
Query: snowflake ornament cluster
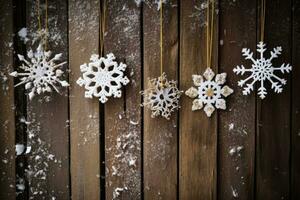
column 262, row 70
column 40, row 72
column 103, row 77
column 161, row 97
column 209, row 92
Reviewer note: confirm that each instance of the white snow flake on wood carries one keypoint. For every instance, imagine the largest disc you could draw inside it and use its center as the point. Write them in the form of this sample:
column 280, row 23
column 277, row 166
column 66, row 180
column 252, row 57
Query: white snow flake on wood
column 103, row 77
column 209, row 92
column 41, row 73
column 161, row 96
column 262, row 70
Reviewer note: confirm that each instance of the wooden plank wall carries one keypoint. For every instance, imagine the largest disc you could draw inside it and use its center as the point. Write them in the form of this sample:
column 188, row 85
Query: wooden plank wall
column 7, row 112
column 81, row 149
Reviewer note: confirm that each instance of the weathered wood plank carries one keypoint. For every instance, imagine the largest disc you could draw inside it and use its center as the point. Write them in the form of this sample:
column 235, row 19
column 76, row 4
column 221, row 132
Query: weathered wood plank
column 237, row 125
column 123, row 115
column 198, row 137
column 84, row 113
column 273, row 113
column 48, row 133
column 295, row 143
column 7, row 114
column 160, row 135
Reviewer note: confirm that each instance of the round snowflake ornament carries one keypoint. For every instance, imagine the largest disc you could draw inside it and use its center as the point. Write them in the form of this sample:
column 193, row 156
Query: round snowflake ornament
column 103, row 77
column 161, row 97
column 262, row 70
column 209, row 92
column 40, row 72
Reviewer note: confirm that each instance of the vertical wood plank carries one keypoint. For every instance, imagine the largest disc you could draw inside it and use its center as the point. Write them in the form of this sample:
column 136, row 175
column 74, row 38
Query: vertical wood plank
column 7, row 114
column 295, row 143
column 160, row 135
column 273, row 113
column 237, row 125
column 198, row 133
column 84, row 113
column 48, row 133
column 123, row 115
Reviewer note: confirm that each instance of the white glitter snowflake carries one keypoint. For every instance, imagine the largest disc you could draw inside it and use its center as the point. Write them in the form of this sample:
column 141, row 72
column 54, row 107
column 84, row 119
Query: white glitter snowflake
column 162, row 96
column 103, row 77
column 261, row 71
column 40, row 72
column 209, row 92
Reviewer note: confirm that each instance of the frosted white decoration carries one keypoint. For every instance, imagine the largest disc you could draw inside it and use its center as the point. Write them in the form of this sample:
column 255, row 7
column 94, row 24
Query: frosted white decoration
column 103, row 77
column 209, row 91
column 40, row 72
column 262, row 70
column 161, row 97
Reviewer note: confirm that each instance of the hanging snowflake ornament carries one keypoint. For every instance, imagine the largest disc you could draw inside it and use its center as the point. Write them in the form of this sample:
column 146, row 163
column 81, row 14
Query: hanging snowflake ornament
column 40, row 72
column 103, row 77
column 161, row 97
column 262, row 70
column 209, row 91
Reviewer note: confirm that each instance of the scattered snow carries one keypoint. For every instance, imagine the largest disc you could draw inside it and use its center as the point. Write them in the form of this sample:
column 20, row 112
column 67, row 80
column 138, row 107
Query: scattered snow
column 20, row 148
column 23, row 35
column 234, row 192
column 231, row 126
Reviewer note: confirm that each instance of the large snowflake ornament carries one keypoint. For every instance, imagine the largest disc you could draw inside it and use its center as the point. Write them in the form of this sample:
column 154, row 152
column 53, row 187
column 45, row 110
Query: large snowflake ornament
column 103, row 77
column 40, row 72
column 162, row 96
column 262, row 70
column 209, row 92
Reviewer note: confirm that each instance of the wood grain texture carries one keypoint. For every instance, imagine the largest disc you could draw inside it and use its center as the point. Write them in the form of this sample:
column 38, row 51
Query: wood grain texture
column 123, row 115
column 160, row 135
column 295, row 143
column 198, row 133
column 48, row 132
column 273, row 113
column 84, row 113
column 7, row 114
column 237, row 124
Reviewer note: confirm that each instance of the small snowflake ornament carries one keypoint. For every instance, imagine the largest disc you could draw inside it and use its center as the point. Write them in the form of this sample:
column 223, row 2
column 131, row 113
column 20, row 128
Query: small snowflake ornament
column 209, row 91
column 262, row 70
column 40, row 72
column 103, row 77
column 162, row 96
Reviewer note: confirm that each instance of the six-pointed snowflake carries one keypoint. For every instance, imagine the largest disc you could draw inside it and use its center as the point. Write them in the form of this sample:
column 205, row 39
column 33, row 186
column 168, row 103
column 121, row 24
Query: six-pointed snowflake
column 262, row 70
column 40, row 73
column 162, row 96
column 103, row 77
column 209, row 92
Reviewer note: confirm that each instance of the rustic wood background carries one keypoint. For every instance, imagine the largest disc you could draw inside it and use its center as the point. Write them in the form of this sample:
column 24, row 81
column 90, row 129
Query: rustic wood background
column 85, row 151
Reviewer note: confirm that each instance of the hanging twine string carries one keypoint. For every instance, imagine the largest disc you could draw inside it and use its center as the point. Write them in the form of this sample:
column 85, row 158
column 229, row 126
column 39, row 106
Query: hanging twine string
column 46, row 22
column 209, row 32
column 161, row 38
column 262, row 20
column 102, row 27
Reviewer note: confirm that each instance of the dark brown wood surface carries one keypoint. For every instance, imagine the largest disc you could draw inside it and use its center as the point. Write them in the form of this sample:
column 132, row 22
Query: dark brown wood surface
column 273, row 113
column 237, row 124
column 160, row 135
column 116, row 150
column 295, row 100
column 84, row 113
column 47, row 115
column 123, row 115
column 7, row 112
column 198, row 133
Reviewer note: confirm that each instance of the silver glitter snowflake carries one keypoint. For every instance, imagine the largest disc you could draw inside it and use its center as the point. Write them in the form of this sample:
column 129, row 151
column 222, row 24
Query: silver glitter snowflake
column 162, row 96
column 40, row 72
column 262, row 70
column 209, row 92
column 103, row 77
